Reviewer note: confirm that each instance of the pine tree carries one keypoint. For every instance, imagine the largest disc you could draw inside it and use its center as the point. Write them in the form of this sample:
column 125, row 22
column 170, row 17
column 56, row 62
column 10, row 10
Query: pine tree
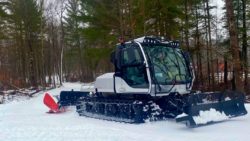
column 25, row 18
column 73, row 37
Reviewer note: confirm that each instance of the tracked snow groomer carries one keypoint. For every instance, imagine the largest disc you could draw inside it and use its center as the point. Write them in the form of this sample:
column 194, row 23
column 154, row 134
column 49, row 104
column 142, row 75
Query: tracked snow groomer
column 152, row 81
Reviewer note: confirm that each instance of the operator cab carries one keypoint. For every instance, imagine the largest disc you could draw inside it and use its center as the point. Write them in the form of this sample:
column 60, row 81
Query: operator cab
column 130, row 65
column 151, row 65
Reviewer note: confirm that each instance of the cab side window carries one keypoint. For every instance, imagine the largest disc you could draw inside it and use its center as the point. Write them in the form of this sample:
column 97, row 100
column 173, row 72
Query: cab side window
column 133, row 69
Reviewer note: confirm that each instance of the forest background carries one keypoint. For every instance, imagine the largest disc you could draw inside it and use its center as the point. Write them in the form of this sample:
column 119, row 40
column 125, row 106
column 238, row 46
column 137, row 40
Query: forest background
column 43, row 42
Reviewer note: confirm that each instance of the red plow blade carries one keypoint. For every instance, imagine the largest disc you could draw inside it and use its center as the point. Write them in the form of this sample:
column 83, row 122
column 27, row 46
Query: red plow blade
column 51, row 104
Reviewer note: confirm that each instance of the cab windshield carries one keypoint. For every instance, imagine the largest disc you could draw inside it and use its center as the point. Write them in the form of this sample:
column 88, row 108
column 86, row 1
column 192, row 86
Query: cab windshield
column 168, row 64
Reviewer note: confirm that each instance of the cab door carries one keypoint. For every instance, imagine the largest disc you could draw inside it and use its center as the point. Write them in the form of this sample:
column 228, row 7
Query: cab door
column 131, row 76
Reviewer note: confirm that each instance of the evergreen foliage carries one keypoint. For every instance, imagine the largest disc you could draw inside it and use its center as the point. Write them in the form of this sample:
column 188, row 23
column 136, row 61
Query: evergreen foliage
column 73, row 39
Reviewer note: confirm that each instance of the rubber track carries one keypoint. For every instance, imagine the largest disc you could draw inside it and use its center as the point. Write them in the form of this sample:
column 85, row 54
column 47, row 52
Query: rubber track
column 127, row 111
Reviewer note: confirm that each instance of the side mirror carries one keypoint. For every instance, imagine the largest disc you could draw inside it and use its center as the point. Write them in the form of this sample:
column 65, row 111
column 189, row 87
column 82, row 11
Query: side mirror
column 187, row 56
column 112, row 58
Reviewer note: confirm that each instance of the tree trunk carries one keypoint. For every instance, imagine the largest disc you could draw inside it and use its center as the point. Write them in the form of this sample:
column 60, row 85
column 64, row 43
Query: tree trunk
column 234, row 45
column 62, row 44
column 244, row 42
column 210, row 44
column 207, row 50
column 198, row 46
column 225, row 73
column 186, row 25
column 31, row 63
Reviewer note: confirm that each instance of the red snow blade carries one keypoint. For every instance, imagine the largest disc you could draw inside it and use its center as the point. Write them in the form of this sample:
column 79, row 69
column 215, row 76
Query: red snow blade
column 50, row 103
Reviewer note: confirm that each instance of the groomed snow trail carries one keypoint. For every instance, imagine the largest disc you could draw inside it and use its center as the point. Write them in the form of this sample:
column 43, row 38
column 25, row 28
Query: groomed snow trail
column 28, row 121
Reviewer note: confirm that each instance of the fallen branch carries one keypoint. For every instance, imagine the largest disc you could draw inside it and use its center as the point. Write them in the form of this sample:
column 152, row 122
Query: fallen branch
column 31, row 94
column 1, row 99
column 248, row 99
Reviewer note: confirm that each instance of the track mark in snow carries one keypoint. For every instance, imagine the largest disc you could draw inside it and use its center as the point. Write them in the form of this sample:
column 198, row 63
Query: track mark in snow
column 28, row 121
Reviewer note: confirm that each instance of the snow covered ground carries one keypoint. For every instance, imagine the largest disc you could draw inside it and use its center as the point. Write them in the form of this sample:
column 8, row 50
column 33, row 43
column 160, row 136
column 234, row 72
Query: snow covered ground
column 27, row 120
